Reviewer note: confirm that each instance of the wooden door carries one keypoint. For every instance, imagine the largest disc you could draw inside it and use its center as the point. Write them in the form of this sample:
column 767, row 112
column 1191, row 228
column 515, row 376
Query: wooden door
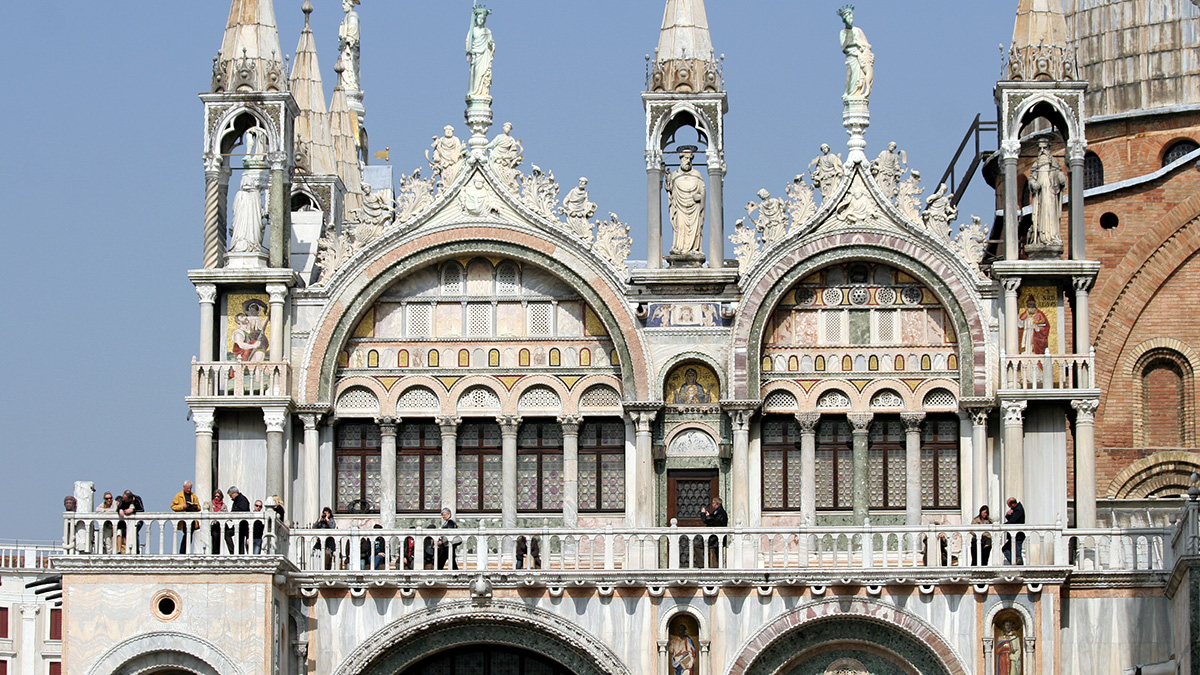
column 689, row 491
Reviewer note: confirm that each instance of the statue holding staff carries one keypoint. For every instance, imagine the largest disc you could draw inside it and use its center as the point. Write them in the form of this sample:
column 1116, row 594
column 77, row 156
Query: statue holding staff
column 480, row 50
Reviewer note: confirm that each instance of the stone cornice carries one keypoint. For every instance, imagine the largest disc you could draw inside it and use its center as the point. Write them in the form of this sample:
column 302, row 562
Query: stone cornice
column 132, row 564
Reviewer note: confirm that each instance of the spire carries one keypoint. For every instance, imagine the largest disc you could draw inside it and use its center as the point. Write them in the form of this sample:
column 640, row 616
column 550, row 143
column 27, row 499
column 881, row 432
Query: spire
column 1040, row 49
column 250, row 58
column 684, row 60
column 314, row 140
column 343, row 125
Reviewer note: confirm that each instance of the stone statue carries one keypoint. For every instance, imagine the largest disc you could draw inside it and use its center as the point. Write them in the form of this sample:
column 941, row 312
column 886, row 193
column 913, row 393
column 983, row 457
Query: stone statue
column 857, row 207
column 828, row 172
column 480, row 50
column 1008, row 650
column 971, row 243
column 448, row 154
column 349, row 40
column 374, row 216
column 772, row 218
column 505, row 155
column 245, row 234
column 908, row 196
column 476, row 199
column 939, row 213
column 578, row 210
column 685, row 198
column 1046, row 184
column 887, row 169
column 860, row 60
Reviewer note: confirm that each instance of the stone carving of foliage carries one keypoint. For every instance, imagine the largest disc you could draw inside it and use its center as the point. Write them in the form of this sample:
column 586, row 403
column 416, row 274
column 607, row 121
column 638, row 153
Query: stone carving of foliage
column 539, row 192
column 971, row 242
column 613, row 242
column 908, row 197
column 333, row 250
column 746, row 245
column 416, row 194
column 801, row 201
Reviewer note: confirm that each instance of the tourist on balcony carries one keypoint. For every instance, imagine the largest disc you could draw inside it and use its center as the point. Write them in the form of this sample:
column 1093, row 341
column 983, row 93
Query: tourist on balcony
column 529, row 548
column 980, row 556
column 326, row 522
column 106, row 530
column 373, row 557
column 714, row 517
column 240, row 505
column 258, row 527
column 186, row 501
column 275, row 503
column 445, row 547
column 129, row 505
column 1014, row 516
column 218, row 505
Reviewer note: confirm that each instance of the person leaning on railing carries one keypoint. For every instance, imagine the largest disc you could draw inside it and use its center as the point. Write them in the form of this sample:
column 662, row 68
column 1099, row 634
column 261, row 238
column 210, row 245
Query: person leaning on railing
column 326, row 522
column 129, row 505
column 106, row 530
column 240, row 505
column 1014, row 516
column 186, row 501
column 980, row 556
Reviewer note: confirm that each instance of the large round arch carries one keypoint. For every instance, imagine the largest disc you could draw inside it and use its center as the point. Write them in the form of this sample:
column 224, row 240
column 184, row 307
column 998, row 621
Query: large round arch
column 892, row 639
column 352, row 296
column 164, row 650
column 945, row 281
column 407, row 642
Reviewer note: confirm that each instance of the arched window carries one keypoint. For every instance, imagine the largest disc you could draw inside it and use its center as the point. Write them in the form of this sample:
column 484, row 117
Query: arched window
column 1179, row 149
column 1163, row 403
column 1093, row 171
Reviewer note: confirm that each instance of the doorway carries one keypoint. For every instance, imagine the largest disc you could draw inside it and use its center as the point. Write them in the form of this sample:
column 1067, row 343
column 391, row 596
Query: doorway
column 687, row 492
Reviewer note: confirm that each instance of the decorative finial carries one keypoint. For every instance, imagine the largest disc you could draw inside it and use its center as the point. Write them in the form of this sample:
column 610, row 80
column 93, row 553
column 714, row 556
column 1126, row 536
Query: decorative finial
column 307, row 8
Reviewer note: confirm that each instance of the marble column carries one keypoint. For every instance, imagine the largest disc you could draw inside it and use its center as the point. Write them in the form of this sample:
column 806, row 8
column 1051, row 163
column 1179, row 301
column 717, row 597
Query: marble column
column 654, row 179
column 716, row 214
column 278, row 293
column 644, row 503
column 1083, row 330
column 205, row 420
column 808, row 466
column 1013, row 483
column 740, row 492
column 278, row 194
column 387, row 471
column 449, row 492
column 29, row 637
column 214, row 215
column 208, row 298
column 275, row 418
column 1085, row 462
column 570, row 434
column 509, row 426
column 1075, row 154
column 860, row 424
column 1012, row 345
column 912, row 466
column 311, row 466
column 1010, row 151
column 979, row 437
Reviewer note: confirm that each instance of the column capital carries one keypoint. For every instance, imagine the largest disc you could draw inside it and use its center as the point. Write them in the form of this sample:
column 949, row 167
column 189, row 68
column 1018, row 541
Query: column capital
column 310, row 420
column 912, row 420
column 1014, row 412
column 207, row 293
column 740, row 418
column 1011, row 284
column 278, row 293
column 509, row 424
column 860, row 421
column 1076, row 151
column 449, row 424
column 387, row 425
column 642, row 419
column 204, row 419
column 212, row 165
column 1010, row 149
column 808, row 421
column 275, row 418
column 979, row 416
column 570, row 424
column 1082, row 284
column 30, row 611
column 1085, row 410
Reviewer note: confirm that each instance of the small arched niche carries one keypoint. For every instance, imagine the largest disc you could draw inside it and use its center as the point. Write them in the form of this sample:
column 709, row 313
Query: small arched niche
column 692, row 383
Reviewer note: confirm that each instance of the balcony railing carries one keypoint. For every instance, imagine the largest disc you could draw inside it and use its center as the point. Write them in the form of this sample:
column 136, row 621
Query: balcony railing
column 600, row 551
column 1049, row 371
column 18, row 555
column 223, row 379
column 258, row 533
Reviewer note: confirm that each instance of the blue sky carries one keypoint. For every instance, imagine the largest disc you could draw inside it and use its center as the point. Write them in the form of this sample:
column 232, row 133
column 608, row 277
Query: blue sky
column 102, row 184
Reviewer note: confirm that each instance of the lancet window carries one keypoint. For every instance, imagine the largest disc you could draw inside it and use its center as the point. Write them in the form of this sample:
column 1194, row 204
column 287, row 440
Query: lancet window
column 539, row 466
column 478, row 467
column 418, row 467
column 602, row 465
column 781, row 464
column 357, row 456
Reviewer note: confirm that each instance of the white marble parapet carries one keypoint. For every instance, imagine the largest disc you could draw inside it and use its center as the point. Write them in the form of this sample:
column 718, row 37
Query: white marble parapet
column 175, row 533
column 1048, row 371
column 241, row 379
column 21, row 556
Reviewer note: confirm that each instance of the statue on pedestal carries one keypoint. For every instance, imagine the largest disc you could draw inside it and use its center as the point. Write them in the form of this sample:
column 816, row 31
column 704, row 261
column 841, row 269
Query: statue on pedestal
column 448, row 154
column 772, row 216
column 887, row 169
column 505, row 155
column 860, row 60
column 828, row 172
column 1046, row 184
column 939, row 213
column 578, row 209
column 246, row 230
column 1008, row 650
column 349, row 41
column 480, row 50
column 685, row 198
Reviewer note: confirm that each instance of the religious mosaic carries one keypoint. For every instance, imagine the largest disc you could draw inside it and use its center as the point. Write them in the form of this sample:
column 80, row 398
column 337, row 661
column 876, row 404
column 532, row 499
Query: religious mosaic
column 692, row 384
column 247, row 326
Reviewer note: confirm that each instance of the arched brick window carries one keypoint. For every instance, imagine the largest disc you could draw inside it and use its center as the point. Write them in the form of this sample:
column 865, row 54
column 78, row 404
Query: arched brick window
column 1179, row 149
column 1093, row 171
column 1166, row 406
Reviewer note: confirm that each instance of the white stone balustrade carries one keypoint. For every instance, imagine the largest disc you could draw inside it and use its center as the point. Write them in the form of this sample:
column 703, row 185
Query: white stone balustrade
column 1048, row 371
column 258, row 533
column 227, row 379
column 18, row 555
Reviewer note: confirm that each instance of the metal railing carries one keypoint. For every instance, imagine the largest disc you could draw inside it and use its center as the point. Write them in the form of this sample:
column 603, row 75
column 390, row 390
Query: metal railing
column 978, row 156
column 240, row 379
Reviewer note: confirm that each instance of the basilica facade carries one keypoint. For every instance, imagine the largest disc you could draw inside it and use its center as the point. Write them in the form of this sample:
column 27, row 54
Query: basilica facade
column 684, row 464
